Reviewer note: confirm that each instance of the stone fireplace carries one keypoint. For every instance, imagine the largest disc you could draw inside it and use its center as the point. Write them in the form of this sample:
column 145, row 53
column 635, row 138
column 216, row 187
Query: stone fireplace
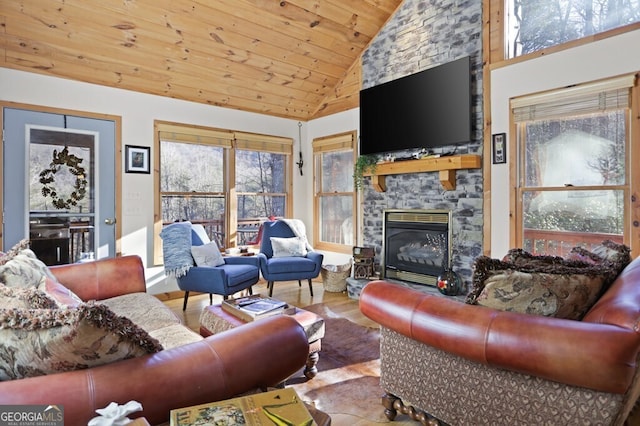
column 421, row 35
column 416, row 245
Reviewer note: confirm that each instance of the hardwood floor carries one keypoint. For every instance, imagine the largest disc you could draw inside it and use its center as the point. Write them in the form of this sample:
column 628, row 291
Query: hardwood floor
column 338, row 303
column 287, row 291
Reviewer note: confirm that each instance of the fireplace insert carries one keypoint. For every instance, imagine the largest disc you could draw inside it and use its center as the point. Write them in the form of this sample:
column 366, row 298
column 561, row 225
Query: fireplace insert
column 416, row 245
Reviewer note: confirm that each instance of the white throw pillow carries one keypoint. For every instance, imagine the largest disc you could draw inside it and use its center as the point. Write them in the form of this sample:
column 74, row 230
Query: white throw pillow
column 207, row 254
column 287, row 247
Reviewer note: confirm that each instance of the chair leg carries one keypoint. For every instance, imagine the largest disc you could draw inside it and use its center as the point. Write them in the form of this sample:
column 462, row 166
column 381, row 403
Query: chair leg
column 210, row 299
column 299, row 283
column 270, row 287
column 250, row 291
column 186, row 296
column 310, row 288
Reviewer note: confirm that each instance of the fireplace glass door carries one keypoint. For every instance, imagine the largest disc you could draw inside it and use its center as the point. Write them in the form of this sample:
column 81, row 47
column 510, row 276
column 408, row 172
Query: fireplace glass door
column 416, row 246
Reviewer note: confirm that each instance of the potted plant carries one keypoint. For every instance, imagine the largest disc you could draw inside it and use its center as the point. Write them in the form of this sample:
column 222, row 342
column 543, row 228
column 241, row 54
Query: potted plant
column 364, row 164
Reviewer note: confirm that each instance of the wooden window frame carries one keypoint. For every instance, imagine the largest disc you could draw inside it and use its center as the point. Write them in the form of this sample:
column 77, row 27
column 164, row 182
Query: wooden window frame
column 231, row 141
column 333, row 143
column 541, row 105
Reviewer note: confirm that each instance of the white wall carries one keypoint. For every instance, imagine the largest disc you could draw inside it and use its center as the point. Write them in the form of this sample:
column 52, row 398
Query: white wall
column 606, row 58
column 138, row 111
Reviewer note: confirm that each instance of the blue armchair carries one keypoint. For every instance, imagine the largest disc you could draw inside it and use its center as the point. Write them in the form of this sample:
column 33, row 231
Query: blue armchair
column 235, row 274
column 285, row 268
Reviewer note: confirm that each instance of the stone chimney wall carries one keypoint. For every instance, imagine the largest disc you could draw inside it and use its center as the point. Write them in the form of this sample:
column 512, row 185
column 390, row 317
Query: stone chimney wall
column 421, row 35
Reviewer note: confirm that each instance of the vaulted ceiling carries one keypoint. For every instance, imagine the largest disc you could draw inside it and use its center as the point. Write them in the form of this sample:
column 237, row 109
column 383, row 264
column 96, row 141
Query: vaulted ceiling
column 298, row 59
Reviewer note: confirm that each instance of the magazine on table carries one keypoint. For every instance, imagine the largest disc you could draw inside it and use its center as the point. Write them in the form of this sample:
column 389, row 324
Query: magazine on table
column 278, row 407
column 253, row 307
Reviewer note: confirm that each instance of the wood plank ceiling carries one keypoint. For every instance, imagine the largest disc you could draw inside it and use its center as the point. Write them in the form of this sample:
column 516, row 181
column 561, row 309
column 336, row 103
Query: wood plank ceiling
column 298, row 59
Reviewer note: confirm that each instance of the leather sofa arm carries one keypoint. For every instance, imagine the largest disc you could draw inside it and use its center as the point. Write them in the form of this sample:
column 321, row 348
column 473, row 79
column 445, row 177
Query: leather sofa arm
column 565, row 351
column 257, row 355
column 103, row 278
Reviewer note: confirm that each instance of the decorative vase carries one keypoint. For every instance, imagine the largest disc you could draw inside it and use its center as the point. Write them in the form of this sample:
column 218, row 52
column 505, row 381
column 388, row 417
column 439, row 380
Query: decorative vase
column 449, row 283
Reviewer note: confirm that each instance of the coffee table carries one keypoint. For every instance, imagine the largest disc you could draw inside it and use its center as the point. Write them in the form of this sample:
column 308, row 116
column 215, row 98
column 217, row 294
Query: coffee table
column 215, row 320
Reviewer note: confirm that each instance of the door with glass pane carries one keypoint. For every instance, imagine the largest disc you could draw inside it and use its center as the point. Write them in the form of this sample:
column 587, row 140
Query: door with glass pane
column 59, row 185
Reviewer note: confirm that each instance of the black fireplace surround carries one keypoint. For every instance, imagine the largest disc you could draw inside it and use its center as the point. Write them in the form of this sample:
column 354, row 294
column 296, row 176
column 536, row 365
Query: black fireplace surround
column 416, row 245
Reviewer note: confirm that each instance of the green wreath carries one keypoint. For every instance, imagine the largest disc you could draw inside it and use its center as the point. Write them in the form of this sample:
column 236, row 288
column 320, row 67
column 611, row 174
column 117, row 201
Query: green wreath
column 47, row 179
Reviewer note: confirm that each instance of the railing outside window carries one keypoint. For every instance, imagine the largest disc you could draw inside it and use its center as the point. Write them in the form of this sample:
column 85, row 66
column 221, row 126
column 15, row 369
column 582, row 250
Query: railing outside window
column 559, row 243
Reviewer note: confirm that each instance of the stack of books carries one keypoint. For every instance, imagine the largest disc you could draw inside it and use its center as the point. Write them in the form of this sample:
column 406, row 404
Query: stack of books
column 254, row 307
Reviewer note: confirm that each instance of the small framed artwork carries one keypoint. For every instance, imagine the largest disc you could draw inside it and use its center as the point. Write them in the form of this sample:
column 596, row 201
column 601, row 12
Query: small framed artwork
column 500, row 148
column 137, row 159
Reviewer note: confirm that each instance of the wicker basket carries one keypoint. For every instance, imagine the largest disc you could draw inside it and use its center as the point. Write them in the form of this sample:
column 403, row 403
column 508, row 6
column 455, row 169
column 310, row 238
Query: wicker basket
column 334, row 277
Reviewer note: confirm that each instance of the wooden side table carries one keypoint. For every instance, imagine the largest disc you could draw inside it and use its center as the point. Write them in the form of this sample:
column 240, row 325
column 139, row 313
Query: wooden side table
column 215, row 320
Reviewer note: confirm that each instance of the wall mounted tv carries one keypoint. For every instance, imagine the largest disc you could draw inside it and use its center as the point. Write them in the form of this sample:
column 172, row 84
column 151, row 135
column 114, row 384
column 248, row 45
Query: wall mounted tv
column 428, row 109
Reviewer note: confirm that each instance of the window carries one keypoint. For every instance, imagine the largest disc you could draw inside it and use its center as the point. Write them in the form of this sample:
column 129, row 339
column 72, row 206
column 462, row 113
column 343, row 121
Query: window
column 534, row 25
column 573, row 167
column 261, row 181
column 335, row 197
column 227, row 181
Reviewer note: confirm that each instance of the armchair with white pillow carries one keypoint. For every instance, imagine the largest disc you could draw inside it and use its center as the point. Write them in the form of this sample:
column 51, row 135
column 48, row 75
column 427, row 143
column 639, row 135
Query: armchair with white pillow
column 197, row 264
column 286, row 255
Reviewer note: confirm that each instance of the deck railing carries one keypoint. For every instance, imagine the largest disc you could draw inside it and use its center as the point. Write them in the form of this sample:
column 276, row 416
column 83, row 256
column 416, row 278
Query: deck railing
column 246, row 233
column 560, row 243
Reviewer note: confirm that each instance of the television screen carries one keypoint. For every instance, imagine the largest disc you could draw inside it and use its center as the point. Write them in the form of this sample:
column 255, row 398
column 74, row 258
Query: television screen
column 424, row 110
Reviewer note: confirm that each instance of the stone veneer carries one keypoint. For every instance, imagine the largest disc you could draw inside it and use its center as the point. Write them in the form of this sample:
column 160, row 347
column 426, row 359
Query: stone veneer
column 421, row 35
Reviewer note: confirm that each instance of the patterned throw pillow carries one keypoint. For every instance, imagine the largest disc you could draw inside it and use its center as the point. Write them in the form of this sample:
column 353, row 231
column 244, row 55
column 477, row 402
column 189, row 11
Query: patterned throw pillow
column 24, row 298
column 24, row 270
column 540, row 285
column 35, row 342
column 23, row 244
column 615, row 255
column 287, row 247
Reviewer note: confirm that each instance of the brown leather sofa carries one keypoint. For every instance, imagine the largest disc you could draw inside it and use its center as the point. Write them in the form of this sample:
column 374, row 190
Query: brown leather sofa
column 255, row 356
column 443, row 360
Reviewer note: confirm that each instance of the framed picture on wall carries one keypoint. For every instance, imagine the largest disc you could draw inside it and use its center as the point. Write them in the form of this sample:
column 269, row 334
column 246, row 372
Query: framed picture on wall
column 137, row 159
column 500, row 148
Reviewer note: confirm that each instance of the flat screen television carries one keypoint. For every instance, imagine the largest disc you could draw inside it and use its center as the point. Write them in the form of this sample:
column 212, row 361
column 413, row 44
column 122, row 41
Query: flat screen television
column 428, row 109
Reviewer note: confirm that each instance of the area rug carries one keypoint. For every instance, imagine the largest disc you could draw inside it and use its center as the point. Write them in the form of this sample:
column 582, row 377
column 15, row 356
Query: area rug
column 348, row 380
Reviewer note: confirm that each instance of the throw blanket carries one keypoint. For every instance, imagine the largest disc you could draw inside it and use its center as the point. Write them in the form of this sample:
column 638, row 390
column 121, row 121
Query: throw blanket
column 176, row 248
column 299, row 230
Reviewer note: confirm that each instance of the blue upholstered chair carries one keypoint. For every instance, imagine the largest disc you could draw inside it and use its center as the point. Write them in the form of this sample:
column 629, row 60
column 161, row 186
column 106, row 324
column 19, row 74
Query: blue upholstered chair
column 285, row 268
column 237, row 273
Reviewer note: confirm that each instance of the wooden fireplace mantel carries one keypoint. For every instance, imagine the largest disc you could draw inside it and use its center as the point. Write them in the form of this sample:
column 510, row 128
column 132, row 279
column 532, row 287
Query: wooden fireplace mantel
column 447, row 167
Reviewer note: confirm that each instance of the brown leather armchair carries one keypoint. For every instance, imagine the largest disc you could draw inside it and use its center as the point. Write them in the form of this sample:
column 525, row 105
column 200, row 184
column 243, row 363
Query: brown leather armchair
column 443, row 360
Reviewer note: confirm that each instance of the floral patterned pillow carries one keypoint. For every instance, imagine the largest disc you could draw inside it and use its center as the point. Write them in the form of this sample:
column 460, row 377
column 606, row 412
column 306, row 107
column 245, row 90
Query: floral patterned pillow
column 35, row 342
column 610, row 253
column 24, row 270
column 24, row 298
column 5, row 257
column 548, row 286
